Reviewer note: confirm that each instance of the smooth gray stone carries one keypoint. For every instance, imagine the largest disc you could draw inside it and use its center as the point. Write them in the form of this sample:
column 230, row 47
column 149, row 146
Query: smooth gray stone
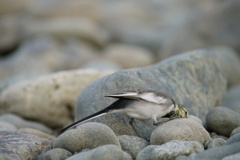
column 127, row 156
column 102, row 65
column 216, row 142
column 229, row 64
column 5, row 126
column 86, row 136
column 232, row 100
column 183, row 158
column 132, row 144
column 235, row 131
column 169, row 150
column 184, row 129
column 54, row 154
column 195, row 79
column 222, row 121
column 19, row 122
column 110, row 152
column 232, row 157
column 218, row 152
column 233, row 139
column 22, row 146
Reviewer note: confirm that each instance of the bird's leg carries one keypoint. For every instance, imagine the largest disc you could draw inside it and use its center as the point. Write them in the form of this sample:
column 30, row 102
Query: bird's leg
column 170, row 116
column 131, row 121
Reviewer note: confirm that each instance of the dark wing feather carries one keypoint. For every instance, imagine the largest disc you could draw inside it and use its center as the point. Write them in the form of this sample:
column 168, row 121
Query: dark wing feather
column 117, row 105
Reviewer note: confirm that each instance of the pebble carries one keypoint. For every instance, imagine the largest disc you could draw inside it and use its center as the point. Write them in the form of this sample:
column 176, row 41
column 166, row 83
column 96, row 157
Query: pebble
column 231, row 99
column 233, row 139
column 232, row 157
column 170, row 150
column 5, row 126
column 132, row 144
column 222, row 121
column 127, row 156
column 36, row 132
column 235, row 131
column 102, row 152
column 54, row 154
column 86, row 136
column 216, row 142
column 22, row 146
column 19, row 122
column 218, row 152
column 180, row 129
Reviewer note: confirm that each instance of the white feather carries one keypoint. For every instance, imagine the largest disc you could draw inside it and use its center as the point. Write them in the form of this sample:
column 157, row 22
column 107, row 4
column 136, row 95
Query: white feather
column 147, row 96
column 151, row 97
column 126, row 94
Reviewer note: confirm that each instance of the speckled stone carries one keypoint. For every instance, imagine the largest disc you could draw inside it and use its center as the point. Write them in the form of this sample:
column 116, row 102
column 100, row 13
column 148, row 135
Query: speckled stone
column 22, row 146
column 36, row 132
column 170, row 150
column 132, row 144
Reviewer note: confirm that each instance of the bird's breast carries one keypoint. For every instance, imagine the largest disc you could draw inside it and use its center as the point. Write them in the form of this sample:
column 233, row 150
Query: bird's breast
column 146, row 110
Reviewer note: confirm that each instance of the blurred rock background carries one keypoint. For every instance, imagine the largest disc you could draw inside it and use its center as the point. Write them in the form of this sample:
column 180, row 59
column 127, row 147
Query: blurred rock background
column 39, row 37
column 43, row 37
column 50, row 51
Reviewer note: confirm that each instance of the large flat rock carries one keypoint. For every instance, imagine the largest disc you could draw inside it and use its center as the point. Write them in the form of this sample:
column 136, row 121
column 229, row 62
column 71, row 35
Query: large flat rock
column 196, row 79
column 49, row 99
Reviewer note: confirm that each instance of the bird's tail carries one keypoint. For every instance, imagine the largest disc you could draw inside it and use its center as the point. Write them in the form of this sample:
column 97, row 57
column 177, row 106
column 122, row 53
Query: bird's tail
column 92, row 116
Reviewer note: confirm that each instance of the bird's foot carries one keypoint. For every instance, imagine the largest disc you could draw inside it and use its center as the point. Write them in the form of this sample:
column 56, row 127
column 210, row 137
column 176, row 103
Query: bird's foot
column 131, row 121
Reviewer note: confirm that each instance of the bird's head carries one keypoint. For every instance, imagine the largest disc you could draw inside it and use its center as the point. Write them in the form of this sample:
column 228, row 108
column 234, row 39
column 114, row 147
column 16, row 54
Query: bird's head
column 182, row 111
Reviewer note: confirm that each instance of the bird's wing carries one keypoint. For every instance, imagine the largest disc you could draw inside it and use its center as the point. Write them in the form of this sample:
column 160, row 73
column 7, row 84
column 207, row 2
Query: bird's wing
column 147, row 96
column 127, row 94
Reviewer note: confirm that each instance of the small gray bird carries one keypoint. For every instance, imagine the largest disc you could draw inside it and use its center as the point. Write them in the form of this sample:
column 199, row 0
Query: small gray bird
column 142, row 105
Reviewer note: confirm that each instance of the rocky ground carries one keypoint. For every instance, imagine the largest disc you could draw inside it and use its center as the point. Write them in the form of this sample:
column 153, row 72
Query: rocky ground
column 58, row 59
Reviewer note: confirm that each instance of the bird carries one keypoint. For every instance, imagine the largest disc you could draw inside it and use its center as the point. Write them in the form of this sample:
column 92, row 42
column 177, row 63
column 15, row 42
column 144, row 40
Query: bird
column 141, row 105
